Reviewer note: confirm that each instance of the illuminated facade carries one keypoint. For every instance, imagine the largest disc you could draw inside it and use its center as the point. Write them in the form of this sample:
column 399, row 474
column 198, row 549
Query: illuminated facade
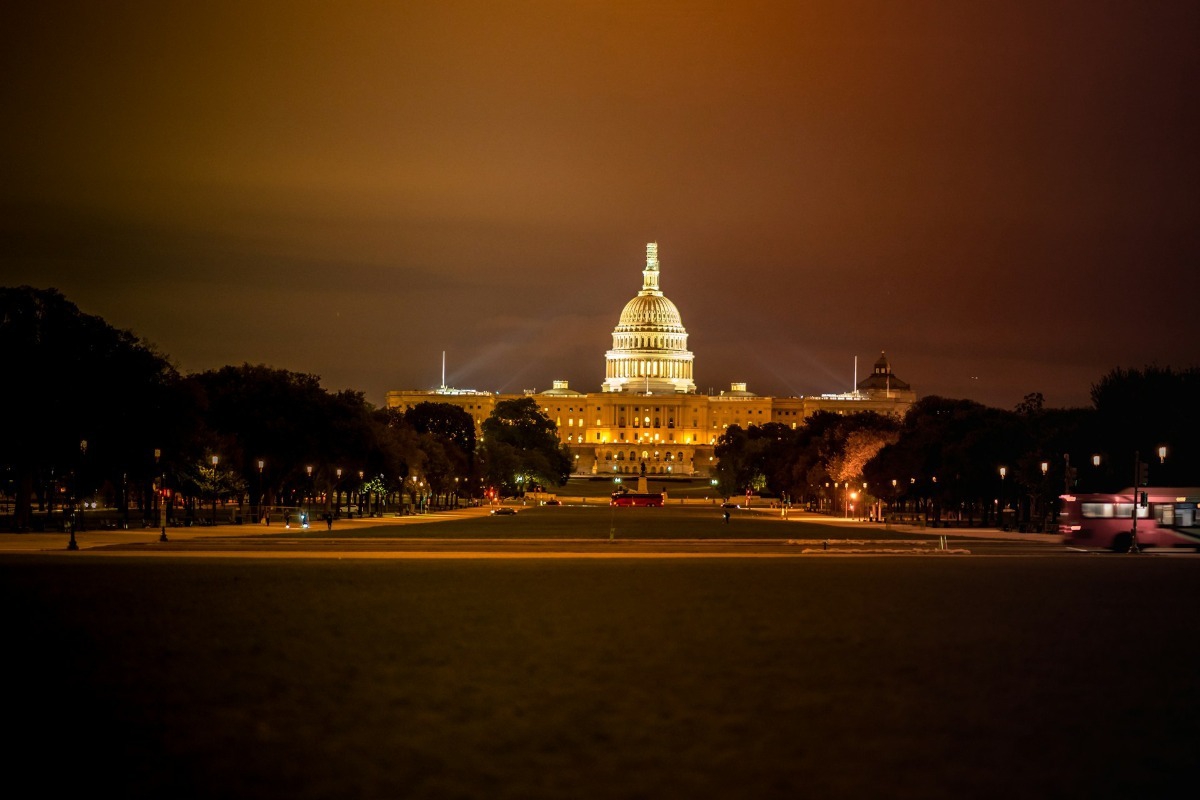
column 648, row 411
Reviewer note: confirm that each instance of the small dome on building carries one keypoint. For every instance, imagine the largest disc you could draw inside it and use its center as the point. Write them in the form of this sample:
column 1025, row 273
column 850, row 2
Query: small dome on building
column 738, row 390
column 882, row 379
column 561, row 389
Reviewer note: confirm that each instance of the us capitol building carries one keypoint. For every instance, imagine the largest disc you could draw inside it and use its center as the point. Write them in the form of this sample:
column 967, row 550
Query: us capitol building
column 647, row 410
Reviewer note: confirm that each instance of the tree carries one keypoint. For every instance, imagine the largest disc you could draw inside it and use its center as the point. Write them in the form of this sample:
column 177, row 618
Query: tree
column 1140, row 410
column 448, row 436
column 77, row 379
column 448, row 423
column 520, row 441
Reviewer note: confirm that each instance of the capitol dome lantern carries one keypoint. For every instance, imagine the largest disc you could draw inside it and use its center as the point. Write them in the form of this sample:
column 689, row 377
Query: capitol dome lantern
column 649, row 352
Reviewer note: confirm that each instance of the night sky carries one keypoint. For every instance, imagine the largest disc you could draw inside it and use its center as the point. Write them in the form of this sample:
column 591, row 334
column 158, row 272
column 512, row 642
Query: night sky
column 1004, row 196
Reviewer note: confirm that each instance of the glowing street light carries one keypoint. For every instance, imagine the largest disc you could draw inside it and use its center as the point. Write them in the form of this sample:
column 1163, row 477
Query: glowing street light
column 213, row 519
column 1162, row 454
column 337, row 492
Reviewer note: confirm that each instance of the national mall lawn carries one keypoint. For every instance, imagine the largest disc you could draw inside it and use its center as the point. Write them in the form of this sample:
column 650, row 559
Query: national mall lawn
column 145, row 673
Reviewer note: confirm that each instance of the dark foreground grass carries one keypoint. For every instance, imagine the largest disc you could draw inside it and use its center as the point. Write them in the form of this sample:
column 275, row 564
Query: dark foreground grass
column 922, row 678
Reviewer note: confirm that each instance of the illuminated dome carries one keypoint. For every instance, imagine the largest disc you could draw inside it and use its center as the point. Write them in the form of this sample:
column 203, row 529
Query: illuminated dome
column 650, row 311
column 649, row 343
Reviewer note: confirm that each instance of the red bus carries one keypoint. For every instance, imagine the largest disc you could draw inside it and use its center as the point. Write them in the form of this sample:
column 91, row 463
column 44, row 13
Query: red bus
column 1166, row 518
column 650, row 500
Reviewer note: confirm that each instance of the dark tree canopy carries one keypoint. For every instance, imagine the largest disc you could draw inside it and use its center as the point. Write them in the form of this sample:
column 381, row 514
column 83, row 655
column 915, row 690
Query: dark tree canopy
column 519, row 441
column 447, row 423
column 1140, row 410
column 75, row 379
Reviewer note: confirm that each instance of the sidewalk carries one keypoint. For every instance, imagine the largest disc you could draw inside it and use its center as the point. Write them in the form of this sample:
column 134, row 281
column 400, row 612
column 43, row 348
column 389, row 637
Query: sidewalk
column 919, row 530
column 35, row 542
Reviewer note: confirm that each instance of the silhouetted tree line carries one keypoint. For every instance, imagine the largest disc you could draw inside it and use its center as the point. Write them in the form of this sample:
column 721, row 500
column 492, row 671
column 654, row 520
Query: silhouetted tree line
column 93, row 412
column 960, row 459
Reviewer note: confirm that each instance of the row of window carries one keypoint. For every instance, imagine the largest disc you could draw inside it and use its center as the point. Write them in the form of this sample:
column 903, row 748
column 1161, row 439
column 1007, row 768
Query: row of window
column 633, row 456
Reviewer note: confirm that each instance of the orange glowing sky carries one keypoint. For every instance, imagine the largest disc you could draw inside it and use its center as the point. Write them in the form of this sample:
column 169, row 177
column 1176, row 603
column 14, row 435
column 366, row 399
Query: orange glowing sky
column 1002, row 195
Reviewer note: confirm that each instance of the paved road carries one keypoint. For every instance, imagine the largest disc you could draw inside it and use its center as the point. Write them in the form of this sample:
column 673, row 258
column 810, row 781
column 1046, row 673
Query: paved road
column 545, row 531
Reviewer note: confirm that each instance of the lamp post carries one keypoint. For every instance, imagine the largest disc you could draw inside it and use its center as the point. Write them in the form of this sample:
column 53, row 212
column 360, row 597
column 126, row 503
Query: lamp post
column 337, row 493
column 360, row 493
column 72, row 544
column 308, row 502
column 213, row 520
column 262, row 495
column 1140, row 472
column 162, row 496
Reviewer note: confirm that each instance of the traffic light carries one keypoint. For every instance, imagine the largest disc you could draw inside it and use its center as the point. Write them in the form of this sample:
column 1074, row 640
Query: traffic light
column 1143, row 474
column 1142, row 499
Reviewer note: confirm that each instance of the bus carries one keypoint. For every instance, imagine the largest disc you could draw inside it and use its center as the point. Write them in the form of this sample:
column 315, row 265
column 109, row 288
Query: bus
column 649, row 499
column 1166, row 517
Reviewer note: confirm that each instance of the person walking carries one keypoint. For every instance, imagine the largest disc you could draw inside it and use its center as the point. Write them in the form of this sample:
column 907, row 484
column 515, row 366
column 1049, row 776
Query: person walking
column 328, row 521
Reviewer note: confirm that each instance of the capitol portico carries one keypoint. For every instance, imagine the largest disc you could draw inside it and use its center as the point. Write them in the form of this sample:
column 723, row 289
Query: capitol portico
column 648, row 411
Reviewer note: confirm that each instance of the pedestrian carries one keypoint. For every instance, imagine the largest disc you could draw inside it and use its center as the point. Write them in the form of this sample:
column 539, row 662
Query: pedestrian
column 727, row 516
column 287, row 520
column 328, row 521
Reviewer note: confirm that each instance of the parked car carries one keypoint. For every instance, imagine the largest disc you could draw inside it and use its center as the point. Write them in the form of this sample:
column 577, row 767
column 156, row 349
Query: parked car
column 730, row 505
column 552, row 503
column 501, row 511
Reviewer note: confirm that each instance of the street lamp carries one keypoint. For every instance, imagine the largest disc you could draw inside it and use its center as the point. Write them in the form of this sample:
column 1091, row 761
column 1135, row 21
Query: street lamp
column 262, row 495
column 162, row 496
column 215, row 459
column 1162, row 454
column 72, row 544
column 1096, row 460
column 308, row 469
